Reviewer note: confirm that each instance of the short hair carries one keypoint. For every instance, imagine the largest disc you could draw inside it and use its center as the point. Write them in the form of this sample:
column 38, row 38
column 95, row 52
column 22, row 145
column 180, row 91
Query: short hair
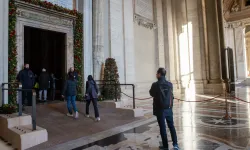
column 162, row 71
column 71, row 76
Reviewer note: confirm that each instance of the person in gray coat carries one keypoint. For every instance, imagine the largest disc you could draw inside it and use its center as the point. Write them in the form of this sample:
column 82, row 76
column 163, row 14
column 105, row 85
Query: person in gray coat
column 92, row 96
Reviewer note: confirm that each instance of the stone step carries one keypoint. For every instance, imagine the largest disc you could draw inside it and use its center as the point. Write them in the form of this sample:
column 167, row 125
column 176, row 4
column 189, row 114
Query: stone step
column 11, row 120
column 5, row 146
column 17, row 130
column 22, row 137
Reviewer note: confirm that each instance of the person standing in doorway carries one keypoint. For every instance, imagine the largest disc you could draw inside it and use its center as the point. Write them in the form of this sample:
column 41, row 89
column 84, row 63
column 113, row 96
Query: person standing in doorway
column 92, row 96
column 75, row 74
column 43, row 84
column 162, row 92
column 27, row 79
column 53, row 80
column 69, row 92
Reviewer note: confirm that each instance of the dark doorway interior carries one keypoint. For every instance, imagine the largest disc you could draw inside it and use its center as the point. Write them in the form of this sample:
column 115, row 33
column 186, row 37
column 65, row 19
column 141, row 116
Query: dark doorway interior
column 45, row 49
column 247, row 2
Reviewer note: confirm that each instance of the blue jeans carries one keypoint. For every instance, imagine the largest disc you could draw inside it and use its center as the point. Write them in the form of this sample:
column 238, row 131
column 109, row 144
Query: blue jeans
column 167, row 115
column 71, row 100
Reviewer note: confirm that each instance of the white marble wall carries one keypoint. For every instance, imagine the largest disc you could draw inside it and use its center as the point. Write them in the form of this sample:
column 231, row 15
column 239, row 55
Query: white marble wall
column 4, row 13
column 240, row 53
column 145, row 55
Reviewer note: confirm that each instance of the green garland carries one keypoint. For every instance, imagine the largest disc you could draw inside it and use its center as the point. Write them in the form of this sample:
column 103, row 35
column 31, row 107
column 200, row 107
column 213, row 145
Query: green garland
column 12, row 50
column 78, row 41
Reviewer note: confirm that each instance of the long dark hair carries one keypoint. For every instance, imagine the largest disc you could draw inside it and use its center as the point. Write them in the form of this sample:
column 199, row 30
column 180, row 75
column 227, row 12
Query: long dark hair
column 90, row 78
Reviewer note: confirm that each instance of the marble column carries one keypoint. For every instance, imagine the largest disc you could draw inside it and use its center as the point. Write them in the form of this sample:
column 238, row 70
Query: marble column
column 4, row 14
column 98, row 37
column 213, row 41
column 160, row 34
column 170, row 40
column 190, row 34
column 85, row 7
column 129, row 45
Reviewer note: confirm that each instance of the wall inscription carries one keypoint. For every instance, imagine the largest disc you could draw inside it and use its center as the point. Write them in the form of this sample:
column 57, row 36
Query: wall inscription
column 144, row 13
column 144, row 8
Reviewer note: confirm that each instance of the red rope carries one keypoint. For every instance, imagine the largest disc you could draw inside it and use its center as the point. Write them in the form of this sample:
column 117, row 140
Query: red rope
column 175, row 98
column 240, row 99
column 137, row 98
column 210, row 99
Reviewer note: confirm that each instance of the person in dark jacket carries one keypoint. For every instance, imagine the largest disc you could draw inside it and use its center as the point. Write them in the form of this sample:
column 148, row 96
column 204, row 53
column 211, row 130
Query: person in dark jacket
column 162, row 92
column 92, row 95
column 27, row 79
column 70, row 91
column 43, row 84
column 53, row 80
column 75, row 74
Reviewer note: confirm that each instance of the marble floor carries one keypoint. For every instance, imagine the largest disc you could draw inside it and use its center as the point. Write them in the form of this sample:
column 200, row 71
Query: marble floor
column 200, row 126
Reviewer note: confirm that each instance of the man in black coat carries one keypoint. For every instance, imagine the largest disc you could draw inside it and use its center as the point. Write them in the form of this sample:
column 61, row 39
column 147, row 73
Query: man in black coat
column 43, row 84
column 27, row 79
column 162, row 92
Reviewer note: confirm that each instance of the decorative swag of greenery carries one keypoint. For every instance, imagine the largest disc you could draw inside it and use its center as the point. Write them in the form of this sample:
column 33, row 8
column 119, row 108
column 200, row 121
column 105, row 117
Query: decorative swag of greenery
column 78, row 41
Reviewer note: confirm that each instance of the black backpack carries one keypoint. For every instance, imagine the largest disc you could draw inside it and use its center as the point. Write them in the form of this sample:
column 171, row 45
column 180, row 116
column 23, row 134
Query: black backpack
column 166, row 95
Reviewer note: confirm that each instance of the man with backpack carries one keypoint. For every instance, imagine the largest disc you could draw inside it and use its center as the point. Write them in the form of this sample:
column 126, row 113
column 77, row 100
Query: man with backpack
column 162, row 92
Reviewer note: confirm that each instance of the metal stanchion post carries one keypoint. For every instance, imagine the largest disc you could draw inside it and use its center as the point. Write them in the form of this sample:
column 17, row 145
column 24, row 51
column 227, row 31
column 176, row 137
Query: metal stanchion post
column 133, row 96
column 20, row 104
column 115, row 92
column 34, row 111
column 227, row 116
column 2, row 94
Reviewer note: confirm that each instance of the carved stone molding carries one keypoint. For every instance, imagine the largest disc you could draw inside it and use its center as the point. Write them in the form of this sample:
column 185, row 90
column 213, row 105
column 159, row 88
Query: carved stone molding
column 233, row 24
column 145, row 23
column 41, row 18
column 236, row 6
column 44, row 18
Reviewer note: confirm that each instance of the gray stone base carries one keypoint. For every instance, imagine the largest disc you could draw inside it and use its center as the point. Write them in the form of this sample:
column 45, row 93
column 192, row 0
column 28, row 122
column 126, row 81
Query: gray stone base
column 138, row 112
column 17, row 130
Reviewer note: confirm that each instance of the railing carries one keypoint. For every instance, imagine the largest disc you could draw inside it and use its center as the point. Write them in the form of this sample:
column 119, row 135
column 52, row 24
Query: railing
column 2, row 87
column 109, row 84
column 20, row 105
column 133, row 86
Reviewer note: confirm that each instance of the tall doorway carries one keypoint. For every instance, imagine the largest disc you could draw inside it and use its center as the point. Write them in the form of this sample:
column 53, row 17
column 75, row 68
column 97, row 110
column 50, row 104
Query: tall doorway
column 46, row 49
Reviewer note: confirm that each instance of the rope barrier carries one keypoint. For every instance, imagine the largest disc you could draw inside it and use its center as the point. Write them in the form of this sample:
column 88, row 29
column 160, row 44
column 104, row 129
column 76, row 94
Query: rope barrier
column 204, row 100
column 240, row 100
column 137, row 98
column 175, row 98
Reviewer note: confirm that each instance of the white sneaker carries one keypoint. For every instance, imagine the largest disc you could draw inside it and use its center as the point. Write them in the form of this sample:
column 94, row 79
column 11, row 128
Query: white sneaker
column 87, row 116
column 70, row 115
column 76, row 115
column 98, row 119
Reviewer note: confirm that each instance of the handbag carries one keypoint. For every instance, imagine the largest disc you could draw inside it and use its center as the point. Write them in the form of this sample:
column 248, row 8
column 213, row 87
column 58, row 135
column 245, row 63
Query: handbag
column 36, row 85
